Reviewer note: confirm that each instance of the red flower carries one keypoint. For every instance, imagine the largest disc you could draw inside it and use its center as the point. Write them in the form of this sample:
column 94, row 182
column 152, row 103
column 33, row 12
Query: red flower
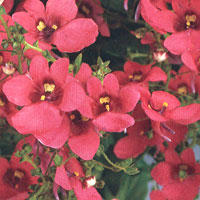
column 162, row 107
column 137, row 140
column 71, row 176
column 183, row 82
column 183, row 23
column 179, row 175
column 110, row 104
column 137, row 74
column 44, row 93
column 83, row 137
column 8, row 4
column 56, row 25
column 15, row 179
column 93, row 10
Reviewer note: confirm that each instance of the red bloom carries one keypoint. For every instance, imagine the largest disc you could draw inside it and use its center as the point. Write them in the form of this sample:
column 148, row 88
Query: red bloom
column 56, row 25
column 179, row 175
column 110, row 104
column 43, row 94
column 8, row 4
column 183, row 23
column 15, row 178
column 137, row 74
column 137, row 140
column 93, row 10
column 71, row 176
column 162, row 107
column 83, row 137
column 183, row 82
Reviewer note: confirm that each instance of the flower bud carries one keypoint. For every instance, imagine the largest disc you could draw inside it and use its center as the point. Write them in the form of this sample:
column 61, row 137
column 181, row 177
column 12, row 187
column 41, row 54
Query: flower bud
column 90, row 181
column 160, row 56
column 8, row 68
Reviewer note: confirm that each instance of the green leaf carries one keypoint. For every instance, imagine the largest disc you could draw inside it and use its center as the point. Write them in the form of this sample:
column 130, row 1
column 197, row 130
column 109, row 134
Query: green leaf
column 77, row 63
column 58, row 160
column 2, row 10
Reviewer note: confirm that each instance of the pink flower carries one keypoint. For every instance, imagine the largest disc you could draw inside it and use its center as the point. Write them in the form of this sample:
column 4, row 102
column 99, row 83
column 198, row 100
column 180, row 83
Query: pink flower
column 44, row 93
column 56, row 25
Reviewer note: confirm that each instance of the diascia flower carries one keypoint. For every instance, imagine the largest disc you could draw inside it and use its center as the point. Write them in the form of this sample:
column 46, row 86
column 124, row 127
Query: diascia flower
column 139, row 75
column 163, row 107
column 180, row 175
column 92, row 9
column 56, row 25
column 44, row 93
column 15, row 179
column 71, row 176
column 110, row 103
column 183, row 23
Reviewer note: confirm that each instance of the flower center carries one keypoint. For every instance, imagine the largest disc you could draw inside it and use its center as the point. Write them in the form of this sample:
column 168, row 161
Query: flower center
column 135, row 77
column 161, row 111
column 182, row 172
column 182, row 89
column 76, row 117
column 48, row 89
column 85, row 9
column 45, row 31
column 105, row 101
column 1, row 59
column 15, row 178
column 190, row 20
column 2, row 103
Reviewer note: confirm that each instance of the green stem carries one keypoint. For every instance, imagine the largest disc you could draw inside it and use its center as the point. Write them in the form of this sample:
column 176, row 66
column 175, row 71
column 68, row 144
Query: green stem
column 138, row 55
column 33, row 47
column 111, row 163
column 50, row 58
column 28, row 159
column 19, row 64
column 41, row 189
column 105, row 166
column 5, row 26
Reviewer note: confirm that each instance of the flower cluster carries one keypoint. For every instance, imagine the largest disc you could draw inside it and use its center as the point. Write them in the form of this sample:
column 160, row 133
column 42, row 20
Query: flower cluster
column 63, row 108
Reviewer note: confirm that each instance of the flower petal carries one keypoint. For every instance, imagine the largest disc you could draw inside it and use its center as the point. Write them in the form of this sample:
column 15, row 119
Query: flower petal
column 25, row 20
column 39, row 118
column 39, row 68
column 18, row 89
column 63, row 10
column 76, row 35
column 55, row 138
column 113, row 122
column 111, row 85
column 59, row 69
column 62, row 179
column 86, row 144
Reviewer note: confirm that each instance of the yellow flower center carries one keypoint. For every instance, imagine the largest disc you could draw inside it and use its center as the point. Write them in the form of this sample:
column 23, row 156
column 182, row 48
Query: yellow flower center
column 18, row 174
column 103, row 100
column 182, row 90
column 165, row 104
column 83, row 118
column 72, row 117
column 136, row 77
column 1, row 59
column 2, row 103
column 76, row 173
column 49, row 87
column 190, row 19
column 54, row 27
column 41, row 26
column 85, row 9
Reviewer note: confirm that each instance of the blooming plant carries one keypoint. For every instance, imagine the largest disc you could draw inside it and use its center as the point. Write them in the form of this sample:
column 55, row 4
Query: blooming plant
column 99, row 99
